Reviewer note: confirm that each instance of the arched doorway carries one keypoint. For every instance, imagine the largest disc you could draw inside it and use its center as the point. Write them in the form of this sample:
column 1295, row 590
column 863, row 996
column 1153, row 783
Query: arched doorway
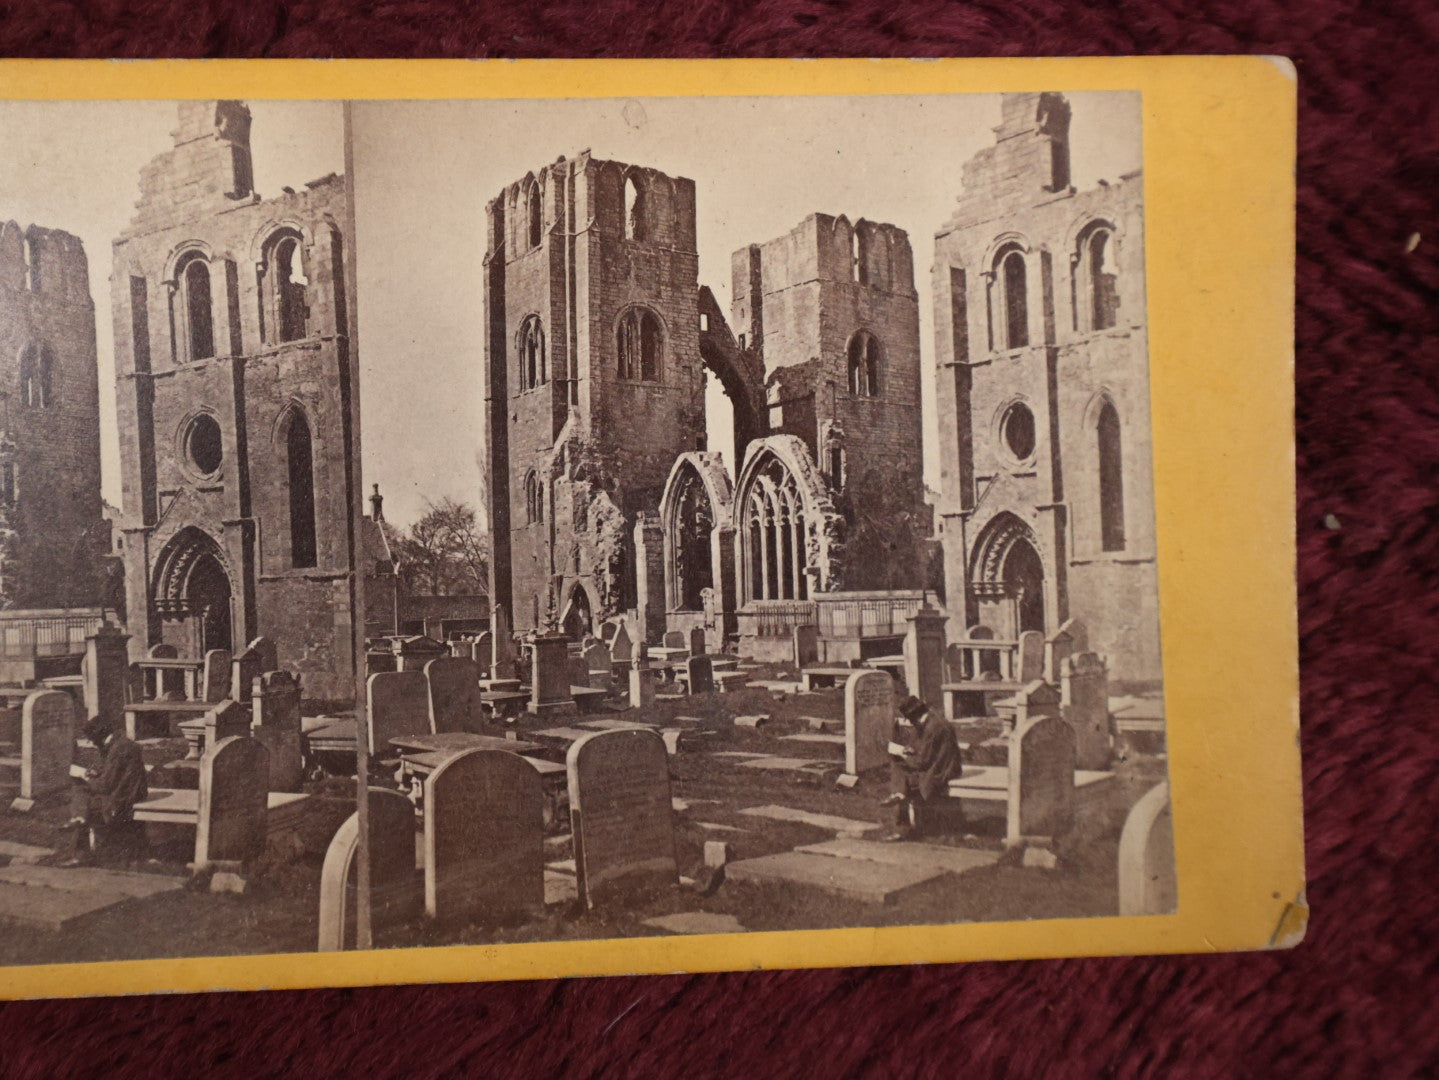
column 1024, row 582
column 577, row 620
column 207, row 593
column 193, row 594
column 1006, row 583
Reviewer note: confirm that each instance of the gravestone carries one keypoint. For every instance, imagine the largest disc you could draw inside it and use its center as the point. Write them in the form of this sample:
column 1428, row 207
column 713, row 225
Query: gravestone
column 1147, row 883
column 622, row 648
column 868, row 720
column 484, row 837
column 642, row 686
column 701, row 674
column 550, row 676
column 234, row 786
column 399, row 704
column 1035, row 699
column 621, row 814
column 502, row 656
column 1084, row 702
column 675, row 639
column 579, row 669
column 228, row 719
column 414, row 652
column 954, row 663
column 247, row 666
column 454, row 694
column 392, row 868
column 482, row 652
column 924, row 656
column 1041, row 780
column 1058, row 648
column 275, row 724
column 47, row 746
column 162, row 651
column 215, row 676
column 697, row 641
column 599, row 665
column 105, row 670
column 1031, row 656
column 265, row 652
column 806, row 646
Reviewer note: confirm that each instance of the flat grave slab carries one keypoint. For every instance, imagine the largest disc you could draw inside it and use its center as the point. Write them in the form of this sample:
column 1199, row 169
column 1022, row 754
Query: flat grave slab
column 90, row 879
column 616, row 725
column 951, row 859
column 804, row 817
column 739, row 754
column 560, row 888
column 782, row 763
column 697, row 922
column 564, row 866
column 457, row 741
column 564, row 735
column 815, row 737
column 854, row 879
column 715, row 826
column 828, row 725
column 680, row 805
column 50, row 909
column 22, row 853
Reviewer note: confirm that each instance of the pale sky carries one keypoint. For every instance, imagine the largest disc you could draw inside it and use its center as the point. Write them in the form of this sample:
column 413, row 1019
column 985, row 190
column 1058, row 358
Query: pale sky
column 425, row 170
column 76, row 166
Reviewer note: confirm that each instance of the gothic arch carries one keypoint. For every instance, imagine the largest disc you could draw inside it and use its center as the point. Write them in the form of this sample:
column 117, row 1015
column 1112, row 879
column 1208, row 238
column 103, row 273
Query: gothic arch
column 740, row 372
column 696, row 511
column 788, row 536
column 1008, row 569
column 193, row 581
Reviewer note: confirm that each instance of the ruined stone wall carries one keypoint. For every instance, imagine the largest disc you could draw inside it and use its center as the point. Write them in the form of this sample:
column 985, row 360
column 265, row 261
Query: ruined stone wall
column 196, row 202
column 1011, row 201
column 55, row 514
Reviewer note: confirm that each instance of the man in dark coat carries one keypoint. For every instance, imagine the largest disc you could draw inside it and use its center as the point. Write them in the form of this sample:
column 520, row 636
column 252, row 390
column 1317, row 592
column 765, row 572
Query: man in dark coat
column 920, row 774
column 104, row 805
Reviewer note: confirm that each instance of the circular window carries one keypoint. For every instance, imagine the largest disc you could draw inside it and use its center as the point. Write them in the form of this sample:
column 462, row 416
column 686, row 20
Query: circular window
column 203, row 444
column 1017, row 430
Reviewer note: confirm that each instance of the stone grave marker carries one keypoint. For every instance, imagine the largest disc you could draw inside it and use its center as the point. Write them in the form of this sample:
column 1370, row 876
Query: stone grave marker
column 701, row 674
column 265, row 652
column 621, row 814
column 484, row 837
column 642, row 685
column 275, row 724
column 247, row 666
column 215, row 676
column 502, row 656
column 226, row 720
column 105, row 670
column 482, row 652
column 579, row 669
column 675, row 639
column 392, row 868
column 550, row 676
column 234, row 787
column 1035, row 699
column 806, row 646
column 607, row 630
column 1041, row 780
column 924, row 656
column 1057, row 649
column 622, row 648
column 1147, row 883
column 399, row 704
column 47, row 746
column 453, row 685
column 1084, row 702
column 697, row 641
column 1031, row 656
column 868, row 720
column 599, row 665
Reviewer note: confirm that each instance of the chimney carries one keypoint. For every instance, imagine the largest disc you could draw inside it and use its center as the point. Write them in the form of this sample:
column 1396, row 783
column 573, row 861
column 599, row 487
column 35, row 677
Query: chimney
column 377, row 505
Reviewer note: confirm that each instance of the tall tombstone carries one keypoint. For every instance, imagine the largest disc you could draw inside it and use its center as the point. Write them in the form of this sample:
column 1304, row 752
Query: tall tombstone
column 454, row 694
column 106, row 671
column 484, row 837
column 924, row 656
column 1041, row 780
column 650, row 577
column 234, row 797
column 1031, row 656
column 502, row 658
column 398, row 704
column 550, row 676
column 701, row 674
column 622, row 649
column 228, row 719
column 1034, row 700
column 47, row 746
column 414, row 652
column 1058, row 648
column 1084, row 702
column 392, row 868
column 675, row 639
column 1147, row 884
column 621, row 814
column 608, row 629
column 642, row 686
column 265, row 653
column 600, row 665
column 578, row 668
column 482, row 652
column 275, row 724
column 247, row 666
column 806, row 646
column 215, row 676
column 697, row 641
column 868, row 720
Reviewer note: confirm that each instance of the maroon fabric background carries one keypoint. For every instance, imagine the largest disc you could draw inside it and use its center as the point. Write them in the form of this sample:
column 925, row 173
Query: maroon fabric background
column 1353, row 999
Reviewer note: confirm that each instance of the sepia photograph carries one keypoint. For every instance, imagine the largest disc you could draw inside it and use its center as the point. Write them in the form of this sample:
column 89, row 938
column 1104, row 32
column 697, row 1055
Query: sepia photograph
column 476, row 522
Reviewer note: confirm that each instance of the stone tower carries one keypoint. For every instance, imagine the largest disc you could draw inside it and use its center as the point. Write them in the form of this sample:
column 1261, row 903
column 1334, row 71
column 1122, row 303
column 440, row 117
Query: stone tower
column 50, row 511
column 234, row 378
column 831, row 308
column 1042, row 380
column 593, row 383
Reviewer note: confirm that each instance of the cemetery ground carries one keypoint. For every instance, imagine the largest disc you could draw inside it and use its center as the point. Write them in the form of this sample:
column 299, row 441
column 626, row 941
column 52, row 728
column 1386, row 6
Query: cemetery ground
column 713, row 787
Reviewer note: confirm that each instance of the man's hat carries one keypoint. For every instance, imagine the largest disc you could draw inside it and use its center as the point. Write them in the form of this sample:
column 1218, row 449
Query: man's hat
column 912, row 708
column 97, row 729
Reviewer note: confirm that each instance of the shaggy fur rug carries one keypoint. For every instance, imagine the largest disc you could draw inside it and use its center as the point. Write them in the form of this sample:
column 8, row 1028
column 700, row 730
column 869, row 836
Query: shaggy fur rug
column 1356, row 999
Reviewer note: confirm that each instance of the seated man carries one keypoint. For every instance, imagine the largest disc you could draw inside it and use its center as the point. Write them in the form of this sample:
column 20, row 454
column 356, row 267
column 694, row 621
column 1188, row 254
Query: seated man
column 920, row 773
column 104, row 805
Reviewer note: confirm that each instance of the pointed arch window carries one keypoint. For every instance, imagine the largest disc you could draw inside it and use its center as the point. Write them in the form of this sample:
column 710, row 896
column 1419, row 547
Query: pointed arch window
column 1097, row 280
column 640, row 345
column 1013, row 278
column 534, row 499
column 864, row 357
column 33, row 277
column 533, row 371
column 774, row 546
column 634, row 218
column 196, row 311
column 534, row 214
column 287, row 286
column 37, row 365
column 300, row 462
column 1111, row 478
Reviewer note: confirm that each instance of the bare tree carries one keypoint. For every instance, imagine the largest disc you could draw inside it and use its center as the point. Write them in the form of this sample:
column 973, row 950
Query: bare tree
column 445, row 553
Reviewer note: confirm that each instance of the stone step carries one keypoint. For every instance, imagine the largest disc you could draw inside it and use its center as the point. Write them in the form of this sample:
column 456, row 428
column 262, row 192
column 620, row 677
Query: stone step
column 90, row 879
column 51, row 909
column 853, row 879
column 952, row 859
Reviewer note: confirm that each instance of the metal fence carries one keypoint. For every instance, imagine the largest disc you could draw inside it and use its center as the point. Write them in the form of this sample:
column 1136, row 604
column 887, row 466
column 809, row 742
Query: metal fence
column 25, row 635
column 868, row 614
